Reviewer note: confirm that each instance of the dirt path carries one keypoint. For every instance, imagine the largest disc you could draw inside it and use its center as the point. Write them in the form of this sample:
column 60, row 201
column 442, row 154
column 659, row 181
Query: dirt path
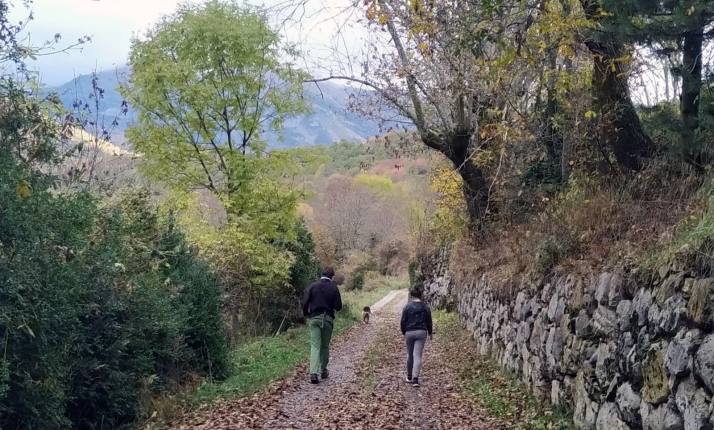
column 366, row 389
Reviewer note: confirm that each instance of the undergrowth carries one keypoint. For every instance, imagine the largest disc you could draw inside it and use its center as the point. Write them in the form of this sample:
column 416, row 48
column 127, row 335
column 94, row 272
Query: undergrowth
column 499, row 393
column 595, row 223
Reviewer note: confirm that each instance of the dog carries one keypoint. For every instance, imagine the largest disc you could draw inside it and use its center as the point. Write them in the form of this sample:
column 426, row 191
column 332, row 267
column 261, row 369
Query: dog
column 365, row 314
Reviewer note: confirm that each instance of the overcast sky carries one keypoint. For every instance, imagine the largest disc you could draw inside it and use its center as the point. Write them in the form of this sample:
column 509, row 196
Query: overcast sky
column 112, row 23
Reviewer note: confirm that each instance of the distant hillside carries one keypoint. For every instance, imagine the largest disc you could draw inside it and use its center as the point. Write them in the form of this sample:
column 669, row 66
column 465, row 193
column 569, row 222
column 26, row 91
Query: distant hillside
column 329, row 122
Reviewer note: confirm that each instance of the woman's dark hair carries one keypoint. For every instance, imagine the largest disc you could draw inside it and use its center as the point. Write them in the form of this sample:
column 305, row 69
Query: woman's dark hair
column 327, row 272
column 416, row 293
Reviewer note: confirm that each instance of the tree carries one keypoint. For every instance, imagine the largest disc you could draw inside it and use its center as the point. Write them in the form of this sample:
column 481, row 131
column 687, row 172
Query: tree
column 621, row 129
column 206, row 82
column 468, row 76
column 433, row 85
column 677, row 31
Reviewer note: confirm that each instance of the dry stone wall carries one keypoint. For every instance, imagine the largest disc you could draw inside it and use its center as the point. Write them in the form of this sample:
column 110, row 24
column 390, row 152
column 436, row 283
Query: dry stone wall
column 617, row 355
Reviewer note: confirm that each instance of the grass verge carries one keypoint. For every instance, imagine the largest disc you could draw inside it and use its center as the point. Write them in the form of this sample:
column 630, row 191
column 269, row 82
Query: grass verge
column 255, row 365
column 499, row 393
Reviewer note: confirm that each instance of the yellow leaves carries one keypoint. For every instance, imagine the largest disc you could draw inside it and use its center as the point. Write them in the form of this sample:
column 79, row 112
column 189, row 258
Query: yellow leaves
column 23, row 189
column 566, row 51
column 305, row 211
column 374, row 12
column 590, row 114
column 380, row 186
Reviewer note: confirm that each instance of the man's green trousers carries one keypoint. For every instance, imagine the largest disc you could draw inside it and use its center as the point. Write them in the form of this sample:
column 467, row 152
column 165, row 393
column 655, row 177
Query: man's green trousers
column 320, row 335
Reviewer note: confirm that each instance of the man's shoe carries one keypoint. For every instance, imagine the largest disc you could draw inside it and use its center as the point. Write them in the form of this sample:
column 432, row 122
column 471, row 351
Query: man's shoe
column 325, row 374
column 415, row 382
column 313, row 378
column 409, row 379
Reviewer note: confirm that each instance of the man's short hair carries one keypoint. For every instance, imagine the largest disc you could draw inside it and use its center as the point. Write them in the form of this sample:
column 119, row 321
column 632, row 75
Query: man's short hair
column 327, row 272
column 416, row 293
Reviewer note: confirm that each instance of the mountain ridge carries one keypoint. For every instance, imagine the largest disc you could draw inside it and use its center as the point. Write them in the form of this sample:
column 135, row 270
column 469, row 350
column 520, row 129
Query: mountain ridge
column 330, row 120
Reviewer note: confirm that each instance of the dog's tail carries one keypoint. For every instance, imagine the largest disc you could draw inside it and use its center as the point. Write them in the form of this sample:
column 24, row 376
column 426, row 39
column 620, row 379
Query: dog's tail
column 366, row 309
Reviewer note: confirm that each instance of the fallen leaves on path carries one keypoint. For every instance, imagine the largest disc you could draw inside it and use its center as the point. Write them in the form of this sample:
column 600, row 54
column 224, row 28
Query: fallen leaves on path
column 366, row 390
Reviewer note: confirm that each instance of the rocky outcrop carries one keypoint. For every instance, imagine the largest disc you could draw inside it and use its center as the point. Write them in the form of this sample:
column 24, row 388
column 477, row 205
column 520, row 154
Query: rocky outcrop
column 616, row 354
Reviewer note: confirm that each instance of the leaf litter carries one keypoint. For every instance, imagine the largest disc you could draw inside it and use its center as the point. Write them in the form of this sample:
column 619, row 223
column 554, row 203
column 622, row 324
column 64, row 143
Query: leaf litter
column 366, row 390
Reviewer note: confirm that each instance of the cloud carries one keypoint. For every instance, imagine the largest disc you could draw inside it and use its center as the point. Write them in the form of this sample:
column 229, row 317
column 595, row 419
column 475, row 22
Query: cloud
column 110, row 23
column 113, row 23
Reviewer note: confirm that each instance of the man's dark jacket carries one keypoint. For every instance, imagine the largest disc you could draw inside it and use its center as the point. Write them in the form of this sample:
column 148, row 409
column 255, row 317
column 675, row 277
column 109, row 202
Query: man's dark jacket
column 416, row 316
column 321, row 297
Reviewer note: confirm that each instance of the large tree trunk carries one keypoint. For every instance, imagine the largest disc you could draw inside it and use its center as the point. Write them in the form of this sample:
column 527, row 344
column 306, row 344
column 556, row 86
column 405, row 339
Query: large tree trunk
column 475, row 186
column 621, row 129
column 689, row 104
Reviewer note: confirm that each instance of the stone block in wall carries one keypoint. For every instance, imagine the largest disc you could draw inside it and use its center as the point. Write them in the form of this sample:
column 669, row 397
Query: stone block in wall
column 564, row 287
column 556, row 308
column 624, row 348
column 533, row 307
column 539, row 334
column 680, row 353
column 604, row 365
column 608, row 419
column 604, row 322
column 583, row 326
column 699, row 308
column 654, row 315
column 519, row 308
column 641, row 305
column 557, row 393
column 580, row 297
column 554, row 352
column 585, row 409
column 624, row 315
column 694, row 405
column 704, row 363
column 546, row 292
column 656, row 386
column 628, row 402
column 602, row 288
column 669, row 287
column 664, row 417
column 673, row 314
column 572, row 356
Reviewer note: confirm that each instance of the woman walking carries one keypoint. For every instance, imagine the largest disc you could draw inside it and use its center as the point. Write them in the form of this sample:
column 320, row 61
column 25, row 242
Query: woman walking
column 416, row 326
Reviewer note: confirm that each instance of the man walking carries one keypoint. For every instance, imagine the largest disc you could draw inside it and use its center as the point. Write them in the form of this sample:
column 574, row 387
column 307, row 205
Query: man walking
column 416, row 326
column 322, row 299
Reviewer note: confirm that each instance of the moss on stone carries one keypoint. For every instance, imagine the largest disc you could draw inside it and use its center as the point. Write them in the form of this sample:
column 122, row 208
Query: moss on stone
column 656, row 388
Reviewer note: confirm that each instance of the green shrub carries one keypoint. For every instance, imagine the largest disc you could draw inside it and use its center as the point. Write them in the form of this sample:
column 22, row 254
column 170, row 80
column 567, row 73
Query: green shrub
column 280, row 306
column 96, row 305
column 412, row 270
